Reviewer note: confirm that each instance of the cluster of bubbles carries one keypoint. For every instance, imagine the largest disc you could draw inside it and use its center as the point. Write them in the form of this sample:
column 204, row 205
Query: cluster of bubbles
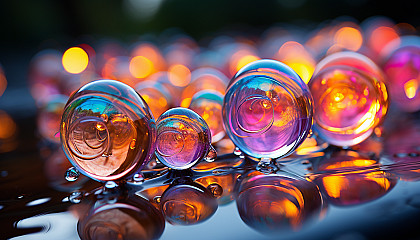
column 336, row 77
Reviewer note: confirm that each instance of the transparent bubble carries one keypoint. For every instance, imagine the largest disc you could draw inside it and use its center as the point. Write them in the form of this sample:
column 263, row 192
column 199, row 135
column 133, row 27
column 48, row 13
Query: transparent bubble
column 49, row 117
column 107, row 130
column 267, row 109
column 350, row 98
column 72, row 174
column 402, row 68
column 208, row 104
column 183, row 138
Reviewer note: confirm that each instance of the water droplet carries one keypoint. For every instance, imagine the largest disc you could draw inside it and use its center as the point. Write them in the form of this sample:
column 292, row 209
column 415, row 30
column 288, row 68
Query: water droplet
column 138, row 178
column 72, row 174
column 76, row 197
column 400, row 155
column 215, row 189
column 237, row 151
column 111, row 185
column 413, row 154
column 211, row 155
column 267, row 166
column 157, row 199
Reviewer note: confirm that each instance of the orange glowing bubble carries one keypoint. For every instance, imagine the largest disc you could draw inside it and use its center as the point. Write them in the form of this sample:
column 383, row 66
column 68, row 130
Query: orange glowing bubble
column 179, row 75
column 141, row 67
column 381, row 36
column 7, row 126
column 75, row 60
column 410, row 88
column 349, row 38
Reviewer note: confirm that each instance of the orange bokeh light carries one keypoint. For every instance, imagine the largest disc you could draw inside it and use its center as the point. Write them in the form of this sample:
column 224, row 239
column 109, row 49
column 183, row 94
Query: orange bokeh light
column 349, row 38
column 3, row 82
column 179, row 75
column 141, row 67
column 381, row 36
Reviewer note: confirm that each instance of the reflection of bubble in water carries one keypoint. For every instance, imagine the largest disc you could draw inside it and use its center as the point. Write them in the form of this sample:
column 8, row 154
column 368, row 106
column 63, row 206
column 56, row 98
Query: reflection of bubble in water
column 183, row 138
column 267, row 110
column 107, row 130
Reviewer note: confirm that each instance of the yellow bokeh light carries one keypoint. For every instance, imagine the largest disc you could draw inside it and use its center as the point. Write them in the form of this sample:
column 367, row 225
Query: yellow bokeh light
column 245, row 60
column 410, row 88
column 349, row 38
column 75, row 60
column 141, row 67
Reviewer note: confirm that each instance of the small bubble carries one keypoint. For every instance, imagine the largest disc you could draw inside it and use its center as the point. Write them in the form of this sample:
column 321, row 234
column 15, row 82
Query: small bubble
column 267, row 166
column 138, row 178
column 157, row 199
column 76, row 197
column 400, row 155
column 72, row 174
column 237, row 151
column 110, row 185
column 212, row 155
column 215, row 189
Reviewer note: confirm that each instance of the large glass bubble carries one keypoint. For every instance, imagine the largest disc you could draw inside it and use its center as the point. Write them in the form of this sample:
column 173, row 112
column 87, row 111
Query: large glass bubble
column 350, row 98
column 107, row 130
column 402, row 68
column 267, row 109
column 183, row 138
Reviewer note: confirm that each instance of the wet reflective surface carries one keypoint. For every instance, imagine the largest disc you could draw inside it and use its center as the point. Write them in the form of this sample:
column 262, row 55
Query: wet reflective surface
column 368, row 192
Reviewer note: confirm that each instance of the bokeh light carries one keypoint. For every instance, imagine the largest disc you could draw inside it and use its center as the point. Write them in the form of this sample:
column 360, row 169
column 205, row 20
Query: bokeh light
column 75, row 60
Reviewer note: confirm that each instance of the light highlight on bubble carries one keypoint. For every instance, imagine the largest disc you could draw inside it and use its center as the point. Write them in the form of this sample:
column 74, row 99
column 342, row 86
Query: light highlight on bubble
column 75, row 60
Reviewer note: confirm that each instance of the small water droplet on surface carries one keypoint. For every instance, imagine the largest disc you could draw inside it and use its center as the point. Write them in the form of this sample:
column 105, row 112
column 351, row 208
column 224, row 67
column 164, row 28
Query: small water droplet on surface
column 237, row 151
column 413, row 154
column 72, row 174
column 401, row 155
column 76, row 197
column 138, row 178
column 212, row 155
column 111, row 185
column 157, row 199
column 267, row 166
column 215, row 189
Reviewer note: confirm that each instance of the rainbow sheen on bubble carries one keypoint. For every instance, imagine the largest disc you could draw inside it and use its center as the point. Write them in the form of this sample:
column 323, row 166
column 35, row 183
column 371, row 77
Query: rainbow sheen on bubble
column 107, row 130
column 350, row 98
column 183, row 138
column 267, row 109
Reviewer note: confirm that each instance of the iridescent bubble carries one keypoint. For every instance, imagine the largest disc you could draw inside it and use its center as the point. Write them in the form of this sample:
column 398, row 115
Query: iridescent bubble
column 72, row 174
column 267, row 110
column 156, row 95
column 208, row 104
column 107, row 130
column 350, row 98
column 183, row 138
column 402, row 68
column 49, row 117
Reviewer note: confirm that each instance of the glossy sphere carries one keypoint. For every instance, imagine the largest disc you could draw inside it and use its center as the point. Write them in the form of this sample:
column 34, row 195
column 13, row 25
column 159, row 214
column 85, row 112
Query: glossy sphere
column 402, row 68
column 350, row 98
column 107, row 130
column 186, row 204
column 275, row 203
column 49, row 117
column 208, row 104
column 267, row 109
column 183, row 138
